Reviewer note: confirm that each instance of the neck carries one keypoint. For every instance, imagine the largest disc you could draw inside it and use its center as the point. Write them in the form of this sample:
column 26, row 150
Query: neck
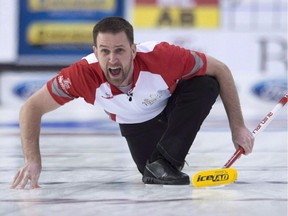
column 128, row 80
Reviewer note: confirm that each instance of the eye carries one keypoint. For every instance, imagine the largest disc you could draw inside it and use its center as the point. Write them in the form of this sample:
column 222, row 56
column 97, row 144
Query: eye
column 119, row 50
column 105, row 51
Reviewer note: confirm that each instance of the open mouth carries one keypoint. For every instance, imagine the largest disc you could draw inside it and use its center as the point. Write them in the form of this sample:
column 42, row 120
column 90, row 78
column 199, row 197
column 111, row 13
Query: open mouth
column 115, row 71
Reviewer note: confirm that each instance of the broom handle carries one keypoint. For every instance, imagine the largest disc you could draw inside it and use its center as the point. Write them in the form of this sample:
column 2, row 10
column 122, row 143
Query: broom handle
column 261, row 126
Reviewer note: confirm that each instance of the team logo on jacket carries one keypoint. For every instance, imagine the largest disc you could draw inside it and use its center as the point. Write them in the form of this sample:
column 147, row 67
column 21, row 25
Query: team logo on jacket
column 64, row 83
column 152, row 99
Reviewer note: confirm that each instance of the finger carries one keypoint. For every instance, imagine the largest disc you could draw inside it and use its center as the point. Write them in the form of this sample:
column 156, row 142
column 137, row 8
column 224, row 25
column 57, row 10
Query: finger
column 34, row 183
column 34, row 187
column 252, row 140
column 17, row 179
column 250, row 145
column 14, row 180
column 247, row 151
column 24, row 182
column 248, row 148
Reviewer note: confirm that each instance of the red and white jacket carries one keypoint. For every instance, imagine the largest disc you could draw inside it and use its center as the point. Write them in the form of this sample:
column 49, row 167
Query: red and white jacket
column 158, row 66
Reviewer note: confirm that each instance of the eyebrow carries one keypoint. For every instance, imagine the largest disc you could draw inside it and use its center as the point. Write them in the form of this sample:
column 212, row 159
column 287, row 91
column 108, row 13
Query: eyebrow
column 104, row 46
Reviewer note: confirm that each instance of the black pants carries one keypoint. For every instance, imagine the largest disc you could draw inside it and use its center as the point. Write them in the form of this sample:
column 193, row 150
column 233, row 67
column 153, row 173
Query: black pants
column 174, row 130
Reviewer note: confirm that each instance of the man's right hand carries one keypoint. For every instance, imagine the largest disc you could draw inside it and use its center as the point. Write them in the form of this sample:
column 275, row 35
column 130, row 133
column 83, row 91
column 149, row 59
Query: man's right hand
column 29, row 172
column 31, row 112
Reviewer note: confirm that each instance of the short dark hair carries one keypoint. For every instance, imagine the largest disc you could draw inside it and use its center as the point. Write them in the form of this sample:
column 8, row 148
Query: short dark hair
column 113, row 25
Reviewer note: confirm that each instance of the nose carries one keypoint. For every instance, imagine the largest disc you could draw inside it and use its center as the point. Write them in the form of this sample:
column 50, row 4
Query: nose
column 112, row 58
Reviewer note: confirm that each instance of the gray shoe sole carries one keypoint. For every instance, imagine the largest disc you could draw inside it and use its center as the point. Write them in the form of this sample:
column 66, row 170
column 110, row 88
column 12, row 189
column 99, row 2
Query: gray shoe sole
column 152, row 180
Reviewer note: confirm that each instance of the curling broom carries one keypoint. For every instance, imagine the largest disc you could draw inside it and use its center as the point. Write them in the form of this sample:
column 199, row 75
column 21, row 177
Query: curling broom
column 228, row 175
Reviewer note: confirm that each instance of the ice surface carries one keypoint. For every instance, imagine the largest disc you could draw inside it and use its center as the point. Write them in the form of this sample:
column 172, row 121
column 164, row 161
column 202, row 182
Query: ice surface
column 87, row 173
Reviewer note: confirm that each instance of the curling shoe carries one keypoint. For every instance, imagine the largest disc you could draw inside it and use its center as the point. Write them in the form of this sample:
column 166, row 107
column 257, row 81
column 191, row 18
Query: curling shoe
column 163, row 173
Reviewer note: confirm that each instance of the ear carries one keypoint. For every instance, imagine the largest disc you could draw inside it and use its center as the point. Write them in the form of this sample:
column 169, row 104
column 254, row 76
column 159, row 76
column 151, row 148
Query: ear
column 134, row 50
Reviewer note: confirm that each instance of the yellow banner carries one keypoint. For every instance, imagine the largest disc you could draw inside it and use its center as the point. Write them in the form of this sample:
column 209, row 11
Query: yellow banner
column 60, row 33
column 54, row 5
column 198, row 17
column 207, row 17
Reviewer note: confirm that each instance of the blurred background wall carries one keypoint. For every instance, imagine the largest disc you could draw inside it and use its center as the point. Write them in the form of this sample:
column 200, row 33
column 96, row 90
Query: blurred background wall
column 39, row 37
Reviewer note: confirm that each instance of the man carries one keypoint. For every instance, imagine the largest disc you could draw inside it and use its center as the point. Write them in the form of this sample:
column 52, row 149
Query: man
column 158, row 93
